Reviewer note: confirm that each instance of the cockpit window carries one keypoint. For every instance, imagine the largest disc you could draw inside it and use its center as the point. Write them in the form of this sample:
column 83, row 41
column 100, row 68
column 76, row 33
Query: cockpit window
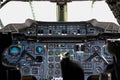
column 18, row 12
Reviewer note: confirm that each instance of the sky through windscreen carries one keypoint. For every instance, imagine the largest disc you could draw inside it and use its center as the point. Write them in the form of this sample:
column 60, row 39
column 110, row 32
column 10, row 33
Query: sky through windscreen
column 18, row 12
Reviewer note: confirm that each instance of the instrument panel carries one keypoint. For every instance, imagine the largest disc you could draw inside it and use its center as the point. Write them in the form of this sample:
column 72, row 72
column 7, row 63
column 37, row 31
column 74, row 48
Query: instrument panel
column 38, row 49
column 42, row 59
column 62, row 29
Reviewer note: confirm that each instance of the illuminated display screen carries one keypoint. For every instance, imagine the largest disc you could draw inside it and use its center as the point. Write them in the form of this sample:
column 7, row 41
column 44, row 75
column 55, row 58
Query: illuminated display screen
column 14, row 51
column 39, row 49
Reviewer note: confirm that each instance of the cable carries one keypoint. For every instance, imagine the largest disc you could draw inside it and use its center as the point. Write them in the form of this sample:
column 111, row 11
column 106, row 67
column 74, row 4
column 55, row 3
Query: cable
column 32, row 10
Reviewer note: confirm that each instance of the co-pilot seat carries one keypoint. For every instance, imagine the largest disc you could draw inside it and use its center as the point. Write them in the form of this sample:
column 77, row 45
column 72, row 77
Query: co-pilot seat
column 114, row 49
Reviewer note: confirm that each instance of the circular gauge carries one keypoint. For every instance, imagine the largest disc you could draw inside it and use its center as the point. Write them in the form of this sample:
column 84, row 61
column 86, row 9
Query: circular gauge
column 51, row 65
column 57, row 59
column 57, row 65
column 57, row 52
column 50, row 59
column 26, row 70
column 14, row 51
column 50, row 72
column 50, row 52
column 57, row 72
column 39, row 49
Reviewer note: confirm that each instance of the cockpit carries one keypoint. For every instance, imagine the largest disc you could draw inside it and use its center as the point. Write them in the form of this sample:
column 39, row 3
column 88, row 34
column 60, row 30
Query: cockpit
column 34, row 49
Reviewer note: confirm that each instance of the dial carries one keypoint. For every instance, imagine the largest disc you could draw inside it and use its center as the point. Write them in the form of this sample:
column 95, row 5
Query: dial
column 50, row 53
column 26, row 70
column 14, row 51
column 39, row 49
column 57, row 65
column 50, row 72
column 50, row 59
column 51, row 65
column 57, row 52
column 57, row 59
column 57, row 72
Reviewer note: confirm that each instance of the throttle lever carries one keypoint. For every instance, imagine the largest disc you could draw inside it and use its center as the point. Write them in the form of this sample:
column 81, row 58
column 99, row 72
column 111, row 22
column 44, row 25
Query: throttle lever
column 96, row 54
column 91, row 57
column 23, row 54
